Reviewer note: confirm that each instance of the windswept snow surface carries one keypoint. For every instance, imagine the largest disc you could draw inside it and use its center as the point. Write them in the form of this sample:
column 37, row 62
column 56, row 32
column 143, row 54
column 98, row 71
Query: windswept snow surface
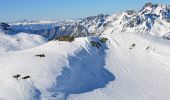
column 79, row 71
column 141, row 73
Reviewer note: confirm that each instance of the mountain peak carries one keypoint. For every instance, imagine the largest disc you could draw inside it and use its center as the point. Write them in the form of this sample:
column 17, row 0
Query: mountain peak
column 151, row 7
column 153, row 19
column 150, row 4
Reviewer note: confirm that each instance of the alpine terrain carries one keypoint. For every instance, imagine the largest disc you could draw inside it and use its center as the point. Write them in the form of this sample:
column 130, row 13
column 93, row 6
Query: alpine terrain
column 124, row 56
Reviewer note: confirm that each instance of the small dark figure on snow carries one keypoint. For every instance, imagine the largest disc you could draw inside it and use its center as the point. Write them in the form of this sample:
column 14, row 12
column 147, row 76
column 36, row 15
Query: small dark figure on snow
column 26, row 77
column 147, row 48
column 133, row 45
column 40, row 55
column 16, row 76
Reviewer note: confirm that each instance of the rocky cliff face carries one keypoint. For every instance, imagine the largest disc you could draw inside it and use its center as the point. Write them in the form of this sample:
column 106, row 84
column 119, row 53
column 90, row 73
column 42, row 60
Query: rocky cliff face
column 5, row 28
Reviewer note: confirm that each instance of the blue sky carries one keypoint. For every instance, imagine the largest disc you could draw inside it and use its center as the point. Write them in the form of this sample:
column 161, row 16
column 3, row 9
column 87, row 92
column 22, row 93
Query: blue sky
column 13, row 10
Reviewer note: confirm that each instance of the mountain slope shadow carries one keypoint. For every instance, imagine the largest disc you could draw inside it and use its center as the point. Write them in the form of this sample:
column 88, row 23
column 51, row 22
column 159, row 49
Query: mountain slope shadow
column 86, row 73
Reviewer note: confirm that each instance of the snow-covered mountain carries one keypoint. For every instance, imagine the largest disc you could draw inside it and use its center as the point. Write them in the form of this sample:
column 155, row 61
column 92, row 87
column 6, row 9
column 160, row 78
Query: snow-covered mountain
column 119, row 57
column 5, row 28
column 48, row 29
column 152, row 19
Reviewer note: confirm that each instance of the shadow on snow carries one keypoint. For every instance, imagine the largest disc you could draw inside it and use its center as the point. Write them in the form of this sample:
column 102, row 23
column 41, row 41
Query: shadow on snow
column 86, row 73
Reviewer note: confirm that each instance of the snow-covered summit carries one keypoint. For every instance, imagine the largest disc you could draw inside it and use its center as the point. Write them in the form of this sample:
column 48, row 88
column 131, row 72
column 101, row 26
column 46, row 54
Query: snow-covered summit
column 152, row 19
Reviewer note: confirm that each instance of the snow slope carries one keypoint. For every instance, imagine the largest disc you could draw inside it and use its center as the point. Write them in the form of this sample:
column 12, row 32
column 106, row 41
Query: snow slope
column 66, row 68
column 79, row 71
column 140, row 74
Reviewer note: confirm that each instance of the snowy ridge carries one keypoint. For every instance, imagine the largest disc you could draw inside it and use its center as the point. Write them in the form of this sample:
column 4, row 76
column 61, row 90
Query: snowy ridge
column 78, row 70
column 152, row 19
column 56, row 75
column 140, row 73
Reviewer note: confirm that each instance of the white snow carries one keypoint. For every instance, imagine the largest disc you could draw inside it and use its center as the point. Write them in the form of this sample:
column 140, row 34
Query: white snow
column 140, row 74
column 79, row 71
column 129, row 66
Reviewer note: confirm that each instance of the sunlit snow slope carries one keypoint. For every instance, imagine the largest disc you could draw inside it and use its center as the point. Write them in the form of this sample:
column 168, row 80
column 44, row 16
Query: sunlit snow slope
column 118, row 70
column 141, row 73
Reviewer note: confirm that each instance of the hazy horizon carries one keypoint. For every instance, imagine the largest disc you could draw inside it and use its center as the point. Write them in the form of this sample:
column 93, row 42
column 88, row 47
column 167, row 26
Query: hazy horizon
column 49, row 10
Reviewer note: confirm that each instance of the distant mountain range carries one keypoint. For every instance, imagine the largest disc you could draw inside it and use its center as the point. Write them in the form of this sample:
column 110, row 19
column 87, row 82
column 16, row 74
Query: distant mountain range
column 152, row 19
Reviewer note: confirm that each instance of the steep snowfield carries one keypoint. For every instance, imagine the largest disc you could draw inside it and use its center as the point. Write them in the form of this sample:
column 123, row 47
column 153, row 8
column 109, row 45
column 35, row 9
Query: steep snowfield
column 19, row 41
column 79, row 71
